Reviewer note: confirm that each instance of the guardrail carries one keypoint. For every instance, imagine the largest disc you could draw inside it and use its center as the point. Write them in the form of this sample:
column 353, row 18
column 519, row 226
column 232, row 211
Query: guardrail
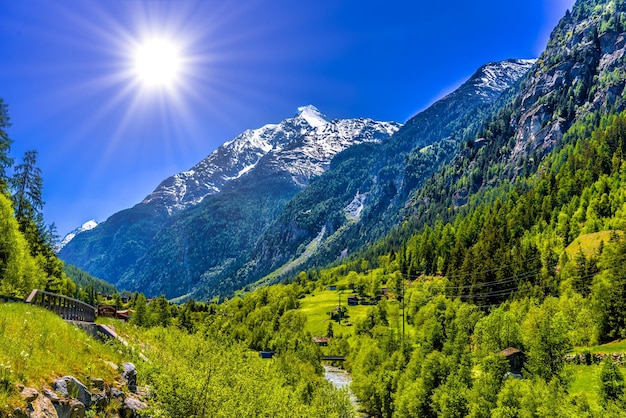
column 68, row 308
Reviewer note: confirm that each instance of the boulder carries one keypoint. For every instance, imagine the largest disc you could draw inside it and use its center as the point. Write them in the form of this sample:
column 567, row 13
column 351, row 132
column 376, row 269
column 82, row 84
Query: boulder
column 51, row 395
column 130, row 408
column 130, row 376
column 70, row 408
column 70, row 387
column 98, row 383
column 37, row 406
column 29, row 394
column 100, row 400
column 117, row 394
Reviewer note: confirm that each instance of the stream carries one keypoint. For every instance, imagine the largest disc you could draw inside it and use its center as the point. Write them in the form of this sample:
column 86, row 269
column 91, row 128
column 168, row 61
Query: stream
column 341, row 380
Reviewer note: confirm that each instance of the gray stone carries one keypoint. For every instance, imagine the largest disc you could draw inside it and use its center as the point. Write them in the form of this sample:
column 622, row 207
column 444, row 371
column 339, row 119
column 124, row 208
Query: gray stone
column 51, row 395
column 42, row 407
column 70, row 387
column 130, row 408
column 70, row 408
column 117, row 394
column 98, row 383
column 130, row 376
column 100, row 400
column 29, row 394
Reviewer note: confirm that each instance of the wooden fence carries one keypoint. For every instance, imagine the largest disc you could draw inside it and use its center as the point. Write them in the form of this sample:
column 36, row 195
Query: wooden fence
column 68, row 308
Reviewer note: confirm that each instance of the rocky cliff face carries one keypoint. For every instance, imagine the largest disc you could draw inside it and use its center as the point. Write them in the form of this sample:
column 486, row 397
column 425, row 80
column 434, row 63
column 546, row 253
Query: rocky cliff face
column 579, row 77
column 581, row 70
column 363, row 193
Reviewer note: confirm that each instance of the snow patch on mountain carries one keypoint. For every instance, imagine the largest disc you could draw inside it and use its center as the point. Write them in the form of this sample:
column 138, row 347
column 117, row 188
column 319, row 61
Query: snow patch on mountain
column 495, row 77
column 90, row 224
column 302, row 146
column 312, row 116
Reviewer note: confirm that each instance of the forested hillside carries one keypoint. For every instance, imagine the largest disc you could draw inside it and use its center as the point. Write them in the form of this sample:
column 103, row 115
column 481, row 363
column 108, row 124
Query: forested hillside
column 361, row 197
column 458, row 294
column 27, row 258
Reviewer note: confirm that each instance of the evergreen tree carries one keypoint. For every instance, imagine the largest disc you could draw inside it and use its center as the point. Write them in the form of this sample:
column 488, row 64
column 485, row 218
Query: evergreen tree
column 613, row 261
column 5, row 146
column 140, row 316
column 27, row 185
column 611, row 381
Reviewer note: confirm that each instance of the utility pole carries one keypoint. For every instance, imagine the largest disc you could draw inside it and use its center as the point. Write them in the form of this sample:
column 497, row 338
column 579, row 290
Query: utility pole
column 339, row 306
column 402, row 309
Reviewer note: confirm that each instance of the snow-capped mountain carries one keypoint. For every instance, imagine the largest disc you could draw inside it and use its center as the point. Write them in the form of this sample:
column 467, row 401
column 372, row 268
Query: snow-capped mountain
column 91, row 224
column 495, row 77
column 228, row 199
column 301, row 146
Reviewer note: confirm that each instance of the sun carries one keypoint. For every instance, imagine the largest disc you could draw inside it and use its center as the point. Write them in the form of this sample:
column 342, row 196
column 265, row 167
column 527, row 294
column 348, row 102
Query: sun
column 157, row 62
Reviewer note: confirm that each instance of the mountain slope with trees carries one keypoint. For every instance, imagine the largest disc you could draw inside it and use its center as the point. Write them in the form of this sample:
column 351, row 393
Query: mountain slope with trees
column 27, row 258
column 202, row 223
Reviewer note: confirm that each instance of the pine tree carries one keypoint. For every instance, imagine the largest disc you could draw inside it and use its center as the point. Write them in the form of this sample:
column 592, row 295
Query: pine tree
column 5, row 146
column 27, row 185
column 140, row 316
column 611, row 381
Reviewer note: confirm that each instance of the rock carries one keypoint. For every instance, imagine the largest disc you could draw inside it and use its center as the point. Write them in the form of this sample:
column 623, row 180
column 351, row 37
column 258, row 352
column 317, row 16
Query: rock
column 70, row 387
column 70, row 408
column 98, row 383
column 51, row 395
column 130, row 407
column 130, row 376
column 117, row 394
column 100, row 400
column 29, row 394
column 42, row 407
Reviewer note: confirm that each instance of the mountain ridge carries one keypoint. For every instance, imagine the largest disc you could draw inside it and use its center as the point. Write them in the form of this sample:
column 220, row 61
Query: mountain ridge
column 284, row 155
column 241, row 154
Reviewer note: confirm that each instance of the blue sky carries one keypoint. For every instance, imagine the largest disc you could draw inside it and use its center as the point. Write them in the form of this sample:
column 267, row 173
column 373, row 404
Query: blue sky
column 105, row 140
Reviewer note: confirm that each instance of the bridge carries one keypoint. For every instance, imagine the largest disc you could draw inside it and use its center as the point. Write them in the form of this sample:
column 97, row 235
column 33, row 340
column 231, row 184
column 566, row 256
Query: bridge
column 68, row 308
column 334, row 358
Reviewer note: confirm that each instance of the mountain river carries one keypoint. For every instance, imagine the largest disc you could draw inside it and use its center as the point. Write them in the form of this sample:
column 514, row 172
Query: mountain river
column 341, row 380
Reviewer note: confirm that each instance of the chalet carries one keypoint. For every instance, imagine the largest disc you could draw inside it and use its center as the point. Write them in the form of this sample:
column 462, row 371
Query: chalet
column 321, row 341
column 266, row 354
column 123, row 315
column 516, row 359
column 332, row 287
column 106, row 311
column 353, row 300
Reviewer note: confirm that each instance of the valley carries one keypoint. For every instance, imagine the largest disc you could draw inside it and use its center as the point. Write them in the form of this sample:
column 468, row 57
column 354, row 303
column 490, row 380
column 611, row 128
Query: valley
column 470, row 262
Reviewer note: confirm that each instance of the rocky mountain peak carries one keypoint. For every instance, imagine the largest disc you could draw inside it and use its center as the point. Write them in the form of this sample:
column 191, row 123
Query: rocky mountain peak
column 498, row 76
column 312, row 116
column 301, row 146
column 89, row 225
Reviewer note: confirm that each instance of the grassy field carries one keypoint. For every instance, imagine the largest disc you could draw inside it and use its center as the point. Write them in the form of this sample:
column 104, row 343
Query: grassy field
column 612, row 347
column 36, row 347
column 317, row 306
column 589, row 243
column 586, row 379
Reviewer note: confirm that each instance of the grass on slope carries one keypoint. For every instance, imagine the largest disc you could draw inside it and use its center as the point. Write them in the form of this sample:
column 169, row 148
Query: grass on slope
column 589, row 243
column 618, row 346
column 317, row 306
column 36, row 346
column 586, row 379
